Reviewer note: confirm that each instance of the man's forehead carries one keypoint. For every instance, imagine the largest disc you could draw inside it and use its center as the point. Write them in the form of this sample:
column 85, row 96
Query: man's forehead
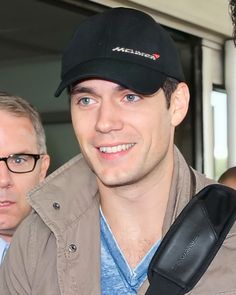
column 17, row 133
column 93, row 84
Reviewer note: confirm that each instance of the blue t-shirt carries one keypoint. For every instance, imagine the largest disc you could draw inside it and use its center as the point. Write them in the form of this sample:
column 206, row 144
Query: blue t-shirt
column 117, row 278
column 3, row 249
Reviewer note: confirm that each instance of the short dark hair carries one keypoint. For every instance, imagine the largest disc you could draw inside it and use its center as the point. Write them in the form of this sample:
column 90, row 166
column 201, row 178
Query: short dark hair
column 232, row 7
column 169, row 87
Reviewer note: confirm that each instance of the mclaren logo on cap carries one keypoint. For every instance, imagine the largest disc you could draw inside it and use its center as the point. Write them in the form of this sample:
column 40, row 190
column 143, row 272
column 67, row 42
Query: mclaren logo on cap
column 153, row 56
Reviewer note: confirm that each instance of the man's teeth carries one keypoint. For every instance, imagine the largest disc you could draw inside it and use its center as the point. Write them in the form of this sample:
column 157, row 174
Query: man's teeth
column 115, row 149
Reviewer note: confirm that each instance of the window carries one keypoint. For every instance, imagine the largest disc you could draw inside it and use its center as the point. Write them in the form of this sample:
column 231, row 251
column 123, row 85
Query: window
column 219, row 111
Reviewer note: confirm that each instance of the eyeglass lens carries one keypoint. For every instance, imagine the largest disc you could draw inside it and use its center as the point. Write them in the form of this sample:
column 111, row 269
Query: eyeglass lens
column 21, row 163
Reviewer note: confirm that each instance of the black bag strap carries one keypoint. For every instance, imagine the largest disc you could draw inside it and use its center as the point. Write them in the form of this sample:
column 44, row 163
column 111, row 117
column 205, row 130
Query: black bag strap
column 192, row 241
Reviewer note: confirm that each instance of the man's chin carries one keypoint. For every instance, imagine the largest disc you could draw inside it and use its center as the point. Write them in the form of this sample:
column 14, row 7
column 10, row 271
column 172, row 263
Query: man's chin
column 116, row 181
column 7, row 230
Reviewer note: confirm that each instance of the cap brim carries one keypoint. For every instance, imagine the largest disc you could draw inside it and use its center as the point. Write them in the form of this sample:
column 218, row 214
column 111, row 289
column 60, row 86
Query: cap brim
column 136, row 77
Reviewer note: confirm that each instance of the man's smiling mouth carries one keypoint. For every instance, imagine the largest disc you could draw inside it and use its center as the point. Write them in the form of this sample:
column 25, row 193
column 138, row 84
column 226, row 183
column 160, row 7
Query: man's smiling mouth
column 116, row 149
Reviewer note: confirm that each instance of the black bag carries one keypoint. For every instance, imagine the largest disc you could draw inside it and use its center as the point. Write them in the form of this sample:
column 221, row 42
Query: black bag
column 192, row 241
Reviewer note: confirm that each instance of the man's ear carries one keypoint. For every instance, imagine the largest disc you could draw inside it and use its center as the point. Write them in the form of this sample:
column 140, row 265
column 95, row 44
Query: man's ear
column 179, row 103
column 44, row 167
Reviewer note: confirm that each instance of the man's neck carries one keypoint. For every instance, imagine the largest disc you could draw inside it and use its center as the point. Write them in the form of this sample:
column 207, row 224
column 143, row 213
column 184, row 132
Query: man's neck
column 6, row 238
column 135, row 213
column 6, row 235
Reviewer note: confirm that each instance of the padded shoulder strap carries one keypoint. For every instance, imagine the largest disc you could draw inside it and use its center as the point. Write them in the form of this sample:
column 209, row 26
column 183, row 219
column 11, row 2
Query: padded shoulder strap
column 192, row 241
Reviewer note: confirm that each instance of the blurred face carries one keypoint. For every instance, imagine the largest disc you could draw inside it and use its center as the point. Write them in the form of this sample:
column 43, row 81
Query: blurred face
column 124, row 136
column 17, row 135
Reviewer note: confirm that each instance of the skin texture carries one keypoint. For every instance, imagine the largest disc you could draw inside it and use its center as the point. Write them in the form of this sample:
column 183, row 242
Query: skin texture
column 17, row 135
column 107, row 115
column 231, row 182
column 127, row 139
column 228, row 178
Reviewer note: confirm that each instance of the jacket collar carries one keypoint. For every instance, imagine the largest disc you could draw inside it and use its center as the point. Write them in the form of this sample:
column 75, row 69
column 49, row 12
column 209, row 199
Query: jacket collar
column 186, row 182
column 65, row 194
column 73, row 188
column 179, row 191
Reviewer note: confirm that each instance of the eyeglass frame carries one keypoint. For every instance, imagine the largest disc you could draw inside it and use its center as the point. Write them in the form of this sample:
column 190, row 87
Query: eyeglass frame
column 36, row 157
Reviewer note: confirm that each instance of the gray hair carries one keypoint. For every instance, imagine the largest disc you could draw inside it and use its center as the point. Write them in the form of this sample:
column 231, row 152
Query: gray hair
column 21, row 108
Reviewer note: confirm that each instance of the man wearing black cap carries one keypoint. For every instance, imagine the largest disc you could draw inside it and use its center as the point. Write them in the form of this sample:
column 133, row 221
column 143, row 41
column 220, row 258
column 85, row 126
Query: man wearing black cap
column 98, row 220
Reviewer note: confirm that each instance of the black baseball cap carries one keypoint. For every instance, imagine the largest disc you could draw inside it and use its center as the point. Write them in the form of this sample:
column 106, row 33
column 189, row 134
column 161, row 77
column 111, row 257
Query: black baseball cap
column 122, row 45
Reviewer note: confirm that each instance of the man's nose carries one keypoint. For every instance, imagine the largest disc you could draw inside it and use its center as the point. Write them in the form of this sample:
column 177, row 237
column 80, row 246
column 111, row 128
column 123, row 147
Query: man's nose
column 5, row 175
column 109, row 118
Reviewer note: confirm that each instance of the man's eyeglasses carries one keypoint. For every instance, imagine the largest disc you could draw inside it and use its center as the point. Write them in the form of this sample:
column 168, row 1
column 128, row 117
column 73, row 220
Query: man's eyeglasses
column 21, row 163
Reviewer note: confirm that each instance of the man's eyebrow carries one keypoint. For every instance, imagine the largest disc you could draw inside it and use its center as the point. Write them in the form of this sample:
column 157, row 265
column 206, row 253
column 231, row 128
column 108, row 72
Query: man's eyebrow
column 120, row 88
column 124, row 88
column 90, row 90
column 82, row 89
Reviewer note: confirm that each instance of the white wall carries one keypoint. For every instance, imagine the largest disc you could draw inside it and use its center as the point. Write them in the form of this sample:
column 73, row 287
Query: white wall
column 28, row 77
column 230, row 78
column 208, row 19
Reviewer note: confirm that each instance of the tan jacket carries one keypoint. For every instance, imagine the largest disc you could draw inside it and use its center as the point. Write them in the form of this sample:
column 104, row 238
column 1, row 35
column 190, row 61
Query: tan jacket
column 56, row 250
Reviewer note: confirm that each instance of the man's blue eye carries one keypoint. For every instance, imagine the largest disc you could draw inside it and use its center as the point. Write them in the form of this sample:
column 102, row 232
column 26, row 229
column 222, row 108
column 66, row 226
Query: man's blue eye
column 18, row 160
column 132, row 97
column 85, row 101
